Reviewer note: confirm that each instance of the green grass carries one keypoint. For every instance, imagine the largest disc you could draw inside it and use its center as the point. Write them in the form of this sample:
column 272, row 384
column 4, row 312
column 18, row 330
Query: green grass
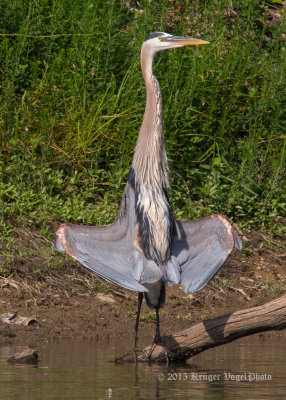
column 72, row 101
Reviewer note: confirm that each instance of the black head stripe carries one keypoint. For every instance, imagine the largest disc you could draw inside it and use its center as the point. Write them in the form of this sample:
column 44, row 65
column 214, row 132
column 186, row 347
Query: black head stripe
column 153, row 35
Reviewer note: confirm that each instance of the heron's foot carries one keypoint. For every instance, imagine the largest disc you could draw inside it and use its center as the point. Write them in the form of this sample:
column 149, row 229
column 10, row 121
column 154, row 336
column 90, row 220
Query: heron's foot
column 126, row 358
column 158, row 341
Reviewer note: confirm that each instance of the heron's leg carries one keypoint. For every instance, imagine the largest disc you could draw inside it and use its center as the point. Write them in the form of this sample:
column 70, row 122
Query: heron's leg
column 140, row 298
column 157, row 338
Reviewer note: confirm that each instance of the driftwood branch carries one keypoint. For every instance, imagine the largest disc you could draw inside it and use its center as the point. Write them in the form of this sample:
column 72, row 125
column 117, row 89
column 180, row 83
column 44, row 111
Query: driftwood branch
column 218, row 331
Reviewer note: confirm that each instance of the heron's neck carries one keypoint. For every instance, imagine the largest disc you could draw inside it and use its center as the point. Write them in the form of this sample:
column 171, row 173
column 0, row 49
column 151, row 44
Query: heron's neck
column 150, row 160
column 153, row 210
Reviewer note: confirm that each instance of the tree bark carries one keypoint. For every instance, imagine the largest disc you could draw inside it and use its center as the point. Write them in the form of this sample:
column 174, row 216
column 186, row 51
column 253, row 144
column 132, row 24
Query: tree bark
column 218, row 331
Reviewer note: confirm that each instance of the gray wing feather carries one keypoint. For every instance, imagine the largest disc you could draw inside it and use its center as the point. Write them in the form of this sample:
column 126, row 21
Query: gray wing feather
column 202, row 246
column 109, row 259
column 109, row 251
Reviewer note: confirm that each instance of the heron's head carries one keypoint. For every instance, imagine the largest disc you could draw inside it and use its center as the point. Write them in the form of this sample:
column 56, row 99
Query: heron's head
column 158, row 41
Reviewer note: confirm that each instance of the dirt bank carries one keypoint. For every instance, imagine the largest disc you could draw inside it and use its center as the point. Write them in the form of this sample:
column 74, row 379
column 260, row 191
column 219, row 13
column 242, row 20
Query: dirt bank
column 69, row 302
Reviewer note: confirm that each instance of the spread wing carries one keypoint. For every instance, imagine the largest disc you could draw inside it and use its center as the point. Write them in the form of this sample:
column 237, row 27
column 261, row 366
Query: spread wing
column 108, row 251
column 201, row 247
column 108, row 259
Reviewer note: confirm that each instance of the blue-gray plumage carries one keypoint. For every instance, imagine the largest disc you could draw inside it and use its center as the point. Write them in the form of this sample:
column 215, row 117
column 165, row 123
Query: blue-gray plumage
column 146, row 247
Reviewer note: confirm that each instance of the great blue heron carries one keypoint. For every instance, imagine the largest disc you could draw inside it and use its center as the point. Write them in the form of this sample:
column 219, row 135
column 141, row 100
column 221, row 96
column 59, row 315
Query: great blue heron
column 147, row 247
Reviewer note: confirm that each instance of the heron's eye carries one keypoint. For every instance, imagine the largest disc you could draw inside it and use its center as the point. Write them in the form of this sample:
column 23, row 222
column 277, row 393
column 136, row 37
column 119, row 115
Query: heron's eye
column 160, row 38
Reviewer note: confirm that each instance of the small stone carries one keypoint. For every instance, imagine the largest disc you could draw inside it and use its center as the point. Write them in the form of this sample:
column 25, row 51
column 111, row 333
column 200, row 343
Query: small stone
column 27, row 356
column 190, row 297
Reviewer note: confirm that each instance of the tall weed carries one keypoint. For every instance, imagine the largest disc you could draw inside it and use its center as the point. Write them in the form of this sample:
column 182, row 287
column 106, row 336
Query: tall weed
column 73, row 97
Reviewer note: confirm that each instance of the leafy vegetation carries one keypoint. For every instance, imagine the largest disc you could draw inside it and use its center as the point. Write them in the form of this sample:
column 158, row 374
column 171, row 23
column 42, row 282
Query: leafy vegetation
column 72, row 100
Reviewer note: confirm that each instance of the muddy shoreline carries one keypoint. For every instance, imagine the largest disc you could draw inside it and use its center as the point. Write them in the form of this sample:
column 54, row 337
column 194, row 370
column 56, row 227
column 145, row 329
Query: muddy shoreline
column 69, row 302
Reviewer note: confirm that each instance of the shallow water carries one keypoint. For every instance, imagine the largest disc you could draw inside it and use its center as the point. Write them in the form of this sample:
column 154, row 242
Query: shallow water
column 252, row 367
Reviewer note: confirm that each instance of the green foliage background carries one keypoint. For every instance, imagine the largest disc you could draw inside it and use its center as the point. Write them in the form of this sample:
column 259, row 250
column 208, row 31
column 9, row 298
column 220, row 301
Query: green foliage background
column 72, row 101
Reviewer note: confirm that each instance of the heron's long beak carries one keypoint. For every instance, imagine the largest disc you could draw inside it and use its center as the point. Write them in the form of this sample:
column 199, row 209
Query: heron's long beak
column 185, row 41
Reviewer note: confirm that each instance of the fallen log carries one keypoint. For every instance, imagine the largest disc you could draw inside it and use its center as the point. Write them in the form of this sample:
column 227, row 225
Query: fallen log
column 218, row 331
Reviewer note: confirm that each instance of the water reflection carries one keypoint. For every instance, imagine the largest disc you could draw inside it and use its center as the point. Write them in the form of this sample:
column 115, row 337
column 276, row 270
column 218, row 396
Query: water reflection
column 254, row 367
